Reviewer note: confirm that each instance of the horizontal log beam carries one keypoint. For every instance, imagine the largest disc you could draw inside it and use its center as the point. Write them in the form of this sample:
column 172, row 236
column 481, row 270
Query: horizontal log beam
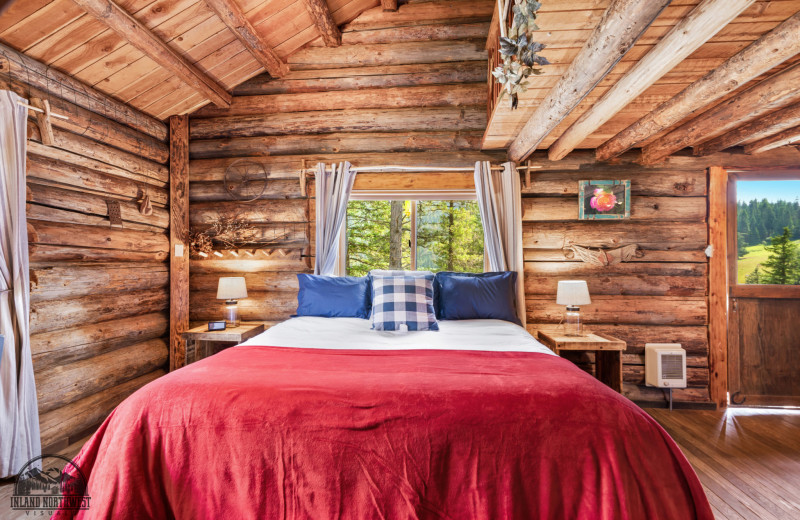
column 262, row 281
column 140, row 37
column 291, row 262
column 87, row 207
column 329, row 80
column 373, row 142
column 373, row 55
column 684, row 236
column 653, row 285
column 48, row 316
column 692, row 209
column 234, row 18
column 287, row 166
column 621, row 26
column 275, row 211
column 55, row 172
column 328, row 121
column 656, row 183
column 76, row 235
column 774, row 92
column 767, row 52
column 57, row 253
column 639, row 310
column 692, row 31
column 645, row 255
column 784, row 138
column 79, row 415
column 216, row 192
column 414, row 13
column 395, row 97
column 66, row 281
column 59, row 386
column 21, row 67
column 63, row 346
column 323, row 20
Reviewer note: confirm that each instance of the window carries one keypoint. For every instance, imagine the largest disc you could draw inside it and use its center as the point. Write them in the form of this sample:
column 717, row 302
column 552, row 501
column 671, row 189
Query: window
column 768, row 232
column 432, row 235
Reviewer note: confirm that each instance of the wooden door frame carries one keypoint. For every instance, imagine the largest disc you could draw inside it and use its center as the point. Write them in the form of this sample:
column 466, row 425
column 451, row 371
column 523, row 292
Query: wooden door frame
column 722, row 236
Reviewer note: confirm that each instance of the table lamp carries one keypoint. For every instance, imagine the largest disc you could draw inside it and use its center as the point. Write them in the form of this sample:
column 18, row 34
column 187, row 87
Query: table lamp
column 231, row 289
column 573, row 293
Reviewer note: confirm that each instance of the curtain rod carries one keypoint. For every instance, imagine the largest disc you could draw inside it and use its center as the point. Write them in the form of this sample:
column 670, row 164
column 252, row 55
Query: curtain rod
column 392, row 168
column 37, row 109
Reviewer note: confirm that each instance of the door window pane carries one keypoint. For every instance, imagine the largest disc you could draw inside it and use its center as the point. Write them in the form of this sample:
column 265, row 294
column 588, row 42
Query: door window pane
column 768, row 232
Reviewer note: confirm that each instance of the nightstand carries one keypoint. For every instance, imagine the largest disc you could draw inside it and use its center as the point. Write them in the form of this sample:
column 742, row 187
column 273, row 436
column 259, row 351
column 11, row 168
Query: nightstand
column 608, row 353
column 201, row 342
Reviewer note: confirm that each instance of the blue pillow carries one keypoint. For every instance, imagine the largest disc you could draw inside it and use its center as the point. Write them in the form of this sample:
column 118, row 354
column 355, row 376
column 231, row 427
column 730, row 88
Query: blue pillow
column 333, row 296
column 473, row 296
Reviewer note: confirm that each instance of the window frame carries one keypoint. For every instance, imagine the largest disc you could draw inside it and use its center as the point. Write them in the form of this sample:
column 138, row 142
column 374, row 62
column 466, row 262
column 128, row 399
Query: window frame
column 743, row 290
column 405, row 195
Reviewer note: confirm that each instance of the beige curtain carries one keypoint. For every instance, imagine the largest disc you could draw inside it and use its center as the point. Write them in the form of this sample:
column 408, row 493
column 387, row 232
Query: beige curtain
column 19, row 418
column 500, row 201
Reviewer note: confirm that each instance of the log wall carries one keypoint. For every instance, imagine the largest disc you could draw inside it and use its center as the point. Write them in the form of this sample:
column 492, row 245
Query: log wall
column 660, row 297
column 99, row 299
column 375, row 100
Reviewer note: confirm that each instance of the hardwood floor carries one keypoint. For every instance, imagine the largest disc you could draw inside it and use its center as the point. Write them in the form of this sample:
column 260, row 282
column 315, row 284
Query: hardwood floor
column 747, row 459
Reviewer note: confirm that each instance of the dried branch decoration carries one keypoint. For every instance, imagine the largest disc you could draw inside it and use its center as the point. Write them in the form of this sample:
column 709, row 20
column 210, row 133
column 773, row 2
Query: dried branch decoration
column 229, row 232
column 519, row 51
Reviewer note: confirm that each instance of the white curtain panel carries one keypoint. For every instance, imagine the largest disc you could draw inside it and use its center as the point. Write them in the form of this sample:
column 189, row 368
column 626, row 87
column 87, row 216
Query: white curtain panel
column 332, row 192
column 500, row 201
column 19, row 417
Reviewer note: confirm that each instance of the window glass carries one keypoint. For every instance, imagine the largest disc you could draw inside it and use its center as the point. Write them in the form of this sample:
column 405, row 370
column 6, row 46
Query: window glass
column 768, row 232
column 449, row 236
column 439, row 235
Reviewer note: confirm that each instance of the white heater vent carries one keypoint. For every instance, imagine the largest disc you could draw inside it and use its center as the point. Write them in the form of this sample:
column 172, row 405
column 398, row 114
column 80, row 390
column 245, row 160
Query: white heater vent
column 665, row 365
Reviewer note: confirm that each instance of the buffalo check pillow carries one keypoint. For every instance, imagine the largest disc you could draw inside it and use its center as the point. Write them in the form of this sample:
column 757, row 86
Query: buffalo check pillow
column 399, row 300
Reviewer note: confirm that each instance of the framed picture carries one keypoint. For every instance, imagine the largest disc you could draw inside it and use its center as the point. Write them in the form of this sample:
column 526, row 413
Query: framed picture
column 601, row 200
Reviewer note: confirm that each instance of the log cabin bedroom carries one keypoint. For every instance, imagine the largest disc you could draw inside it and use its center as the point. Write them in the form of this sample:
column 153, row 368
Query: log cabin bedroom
column 400, row 259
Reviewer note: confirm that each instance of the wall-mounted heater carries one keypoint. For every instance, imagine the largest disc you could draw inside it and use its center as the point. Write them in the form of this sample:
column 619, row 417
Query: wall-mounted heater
column 665, row 366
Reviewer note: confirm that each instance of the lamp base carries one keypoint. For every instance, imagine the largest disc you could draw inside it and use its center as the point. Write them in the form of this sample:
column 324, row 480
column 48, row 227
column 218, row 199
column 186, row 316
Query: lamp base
column 232, row 313
column 572, row 321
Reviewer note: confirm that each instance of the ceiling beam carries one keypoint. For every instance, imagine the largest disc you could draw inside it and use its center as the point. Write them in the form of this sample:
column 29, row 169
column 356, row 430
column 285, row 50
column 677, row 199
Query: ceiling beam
column 774, row 92
column 323, row 20
column 620, row 27
column 755, row 130
column 135, row 33
column 389, row 5
column 232, row 15
column 789, row 136
column 767, row 52
column 692, row 31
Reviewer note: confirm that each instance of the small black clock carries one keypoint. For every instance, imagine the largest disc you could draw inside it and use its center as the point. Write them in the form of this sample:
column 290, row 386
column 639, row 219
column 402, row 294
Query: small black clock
column 216, row 325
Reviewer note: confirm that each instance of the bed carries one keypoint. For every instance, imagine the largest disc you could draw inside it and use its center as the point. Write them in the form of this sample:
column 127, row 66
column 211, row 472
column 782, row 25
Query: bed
column 323, row 418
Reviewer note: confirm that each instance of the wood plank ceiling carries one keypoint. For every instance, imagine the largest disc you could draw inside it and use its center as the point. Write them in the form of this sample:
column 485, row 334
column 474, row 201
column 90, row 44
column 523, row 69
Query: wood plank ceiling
column 61, row 34
column 567, row 24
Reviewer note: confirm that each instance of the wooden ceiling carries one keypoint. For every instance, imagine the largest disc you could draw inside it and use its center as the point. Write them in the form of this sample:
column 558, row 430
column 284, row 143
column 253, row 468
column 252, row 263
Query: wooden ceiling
column 566, row 25
column 62, row 34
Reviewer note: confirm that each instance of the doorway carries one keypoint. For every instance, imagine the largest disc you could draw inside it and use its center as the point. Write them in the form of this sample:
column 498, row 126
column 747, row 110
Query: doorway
column 763, row 244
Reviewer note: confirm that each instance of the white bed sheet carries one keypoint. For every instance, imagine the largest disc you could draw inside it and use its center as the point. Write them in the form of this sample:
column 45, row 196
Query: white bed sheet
column 355, row 333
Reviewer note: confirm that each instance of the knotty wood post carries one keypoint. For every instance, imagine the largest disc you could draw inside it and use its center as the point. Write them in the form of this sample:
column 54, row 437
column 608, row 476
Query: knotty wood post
column 178, row 238
column 718, row 286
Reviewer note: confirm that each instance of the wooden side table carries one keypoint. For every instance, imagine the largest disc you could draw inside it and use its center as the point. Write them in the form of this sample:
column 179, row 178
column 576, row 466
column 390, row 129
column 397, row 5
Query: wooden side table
column 201, row 342
column 608, row 353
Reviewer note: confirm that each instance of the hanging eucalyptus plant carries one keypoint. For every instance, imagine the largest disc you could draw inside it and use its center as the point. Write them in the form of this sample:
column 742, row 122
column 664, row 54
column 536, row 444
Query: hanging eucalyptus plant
column 519, row 51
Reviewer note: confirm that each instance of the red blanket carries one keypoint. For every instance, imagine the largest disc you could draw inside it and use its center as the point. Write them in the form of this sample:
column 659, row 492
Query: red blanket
column 267, row 432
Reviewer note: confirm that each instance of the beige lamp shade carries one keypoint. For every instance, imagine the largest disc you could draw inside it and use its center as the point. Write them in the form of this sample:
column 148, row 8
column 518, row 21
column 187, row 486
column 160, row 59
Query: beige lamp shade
column 573, row 293
column 231, row 288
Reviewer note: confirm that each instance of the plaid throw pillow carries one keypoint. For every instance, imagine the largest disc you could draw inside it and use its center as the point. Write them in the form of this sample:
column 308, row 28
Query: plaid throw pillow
column 405, row 300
